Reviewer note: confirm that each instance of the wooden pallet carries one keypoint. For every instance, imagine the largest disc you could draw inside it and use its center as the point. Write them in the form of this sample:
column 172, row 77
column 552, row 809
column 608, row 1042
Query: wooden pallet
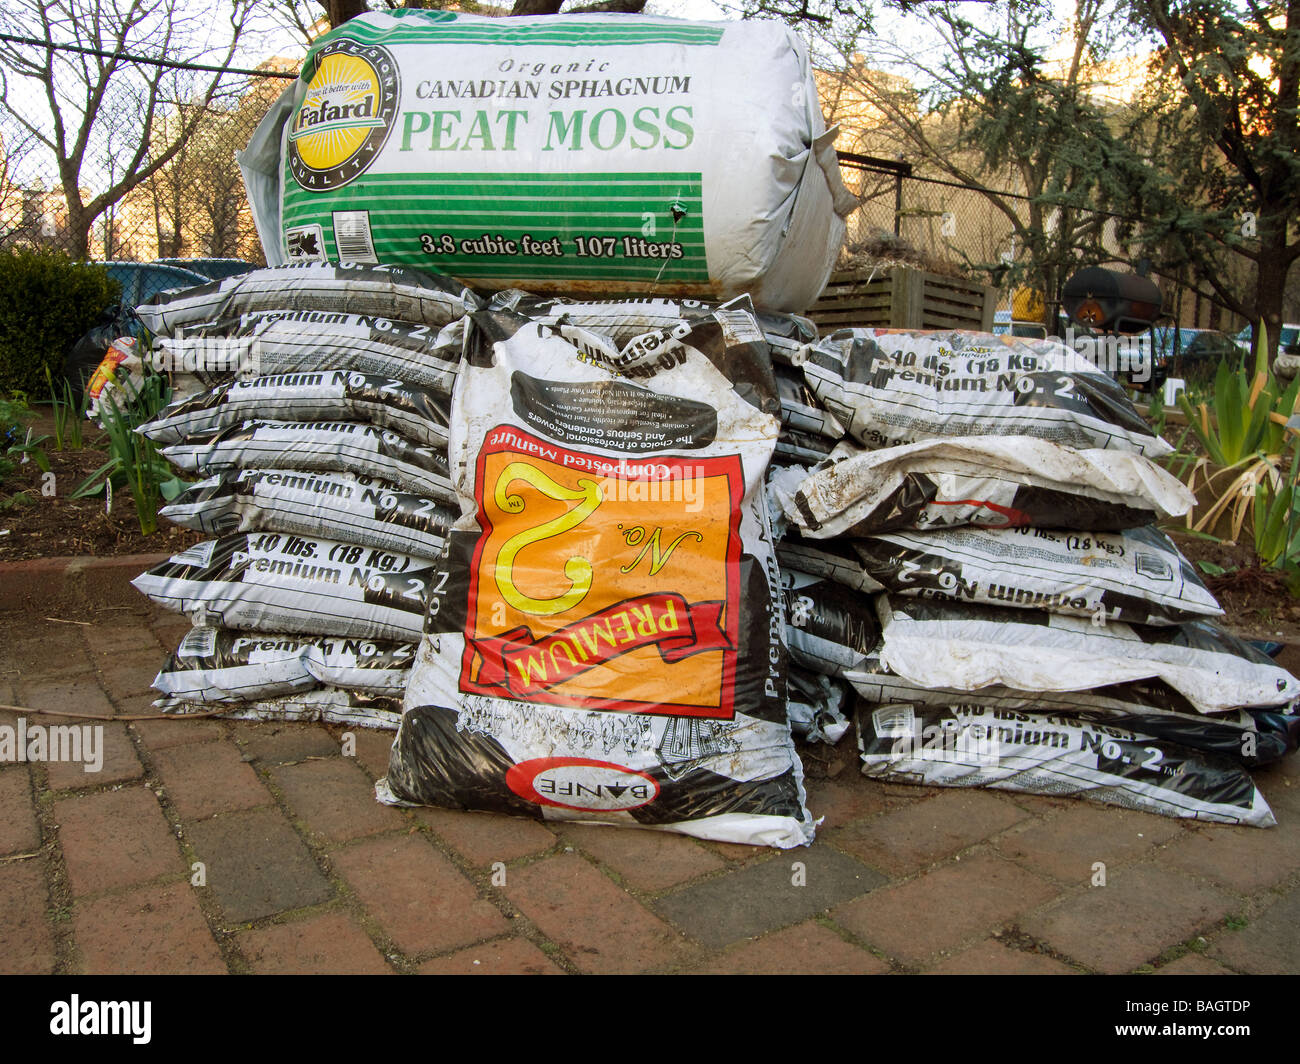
column 903, row 298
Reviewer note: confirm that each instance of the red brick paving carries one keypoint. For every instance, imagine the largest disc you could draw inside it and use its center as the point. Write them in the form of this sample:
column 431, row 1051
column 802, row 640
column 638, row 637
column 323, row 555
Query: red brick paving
column 485, row 838
column 110, row 889
column 18, row 829
column 156, row 930
column 419, row 898
column 806, row 949
column 1140, row 913
column 991, row 957
column 328, row 944
column 946, row 906
column 26, row 937
column 335, row 799
column 115, row 839
column 598, row 926
column 510, row 956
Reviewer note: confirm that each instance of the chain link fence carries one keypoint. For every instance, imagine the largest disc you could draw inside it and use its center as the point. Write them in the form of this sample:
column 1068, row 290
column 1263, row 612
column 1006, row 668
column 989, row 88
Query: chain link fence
column 114, row 157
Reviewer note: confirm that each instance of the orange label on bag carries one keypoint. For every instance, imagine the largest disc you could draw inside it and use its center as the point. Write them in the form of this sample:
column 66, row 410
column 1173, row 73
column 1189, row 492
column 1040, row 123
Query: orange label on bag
column 604, row 582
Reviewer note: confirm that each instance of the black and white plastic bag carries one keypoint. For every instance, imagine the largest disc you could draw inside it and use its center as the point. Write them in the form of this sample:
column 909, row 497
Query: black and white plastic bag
column 272, row 582
column 970, row 745
column 1137, row 576
column 893, row 387
column 358, row 509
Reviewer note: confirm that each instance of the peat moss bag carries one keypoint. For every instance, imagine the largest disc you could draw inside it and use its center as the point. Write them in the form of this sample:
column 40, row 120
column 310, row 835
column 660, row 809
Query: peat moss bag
column 605, row 639
column 577, row 153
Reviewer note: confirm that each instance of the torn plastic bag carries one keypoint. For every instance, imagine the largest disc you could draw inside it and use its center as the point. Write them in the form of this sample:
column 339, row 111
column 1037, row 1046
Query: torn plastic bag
column 362, row 510
column 605, row 639
column 894, row 387
column 1137, row 576
column 966, row 647
column 269, row 582
column 818, row 706
column 318, row 446
column 983, row 480
column 971, row 745
column 314, row 395
column 281, row 341
column 398, row 293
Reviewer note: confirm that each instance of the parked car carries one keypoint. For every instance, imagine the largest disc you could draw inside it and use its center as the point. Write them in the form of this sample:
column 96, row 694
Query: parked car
column 212, row 269
column 1290, row 338
column 141, row 281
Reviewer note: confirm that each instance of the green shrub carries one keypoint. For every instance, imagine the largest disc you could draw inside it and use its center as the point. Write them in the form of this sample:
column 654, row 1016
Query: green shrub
column 47, row 301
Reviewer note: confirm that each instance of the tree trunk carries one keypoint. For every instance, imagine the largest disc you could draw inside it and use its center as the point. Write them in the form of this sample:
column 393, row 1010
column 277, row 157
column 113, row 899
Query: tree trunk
column 1270, row 290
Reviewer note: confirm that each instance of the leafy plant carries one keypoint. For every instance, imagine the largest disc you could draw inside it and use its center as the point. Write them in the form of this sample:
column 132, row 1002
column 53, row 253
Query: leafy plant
column 16, row 443
column 47, row 301
column 1277, row 539
column 1244, row 439
column 134, row 461
column 69, row 414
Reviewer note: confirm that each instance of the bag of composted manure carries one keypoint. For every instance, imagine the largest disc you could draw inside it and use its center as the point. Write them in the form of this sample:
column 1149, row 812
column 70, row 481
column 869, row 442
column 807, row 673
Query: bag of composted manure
column 269, row 582
column 623, row 320
column 1137, row 576
column 580, row 153
column 279, row 341
column 830, row 628
column 316, row 395
column 362, row 510
column 326, row 705
column 1248, row 736
column 893, row 387
column 817, row 706
column 971, row 745
column 318, row 446
column 964, row 647
column 983, row 480
column 605, row 638
column 390, row 292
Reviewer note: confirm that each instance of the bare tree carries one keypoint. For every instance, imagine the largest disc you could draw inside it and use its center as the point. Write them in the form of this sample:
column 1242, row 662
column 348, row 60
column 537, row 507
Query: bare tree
column 95, row 110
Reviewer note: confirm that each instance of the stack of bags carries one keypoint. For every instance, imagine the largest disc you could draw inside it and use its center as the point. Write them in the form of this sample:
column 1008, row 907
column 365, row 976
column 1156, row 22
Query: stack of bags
column 316, row 410
column 1031, row 628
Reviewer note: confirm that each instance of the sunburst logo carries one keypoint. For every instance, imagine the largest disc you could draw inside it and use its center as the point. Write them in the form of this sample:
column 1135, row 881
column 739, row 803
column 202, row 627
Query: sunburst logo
column 344, row 120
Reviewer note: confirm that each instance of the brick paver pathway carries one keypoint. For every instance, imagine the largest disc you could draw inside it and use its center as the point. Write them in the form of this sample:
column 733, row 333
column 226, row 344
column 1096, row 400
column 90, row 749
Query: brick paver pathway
column 217, row 846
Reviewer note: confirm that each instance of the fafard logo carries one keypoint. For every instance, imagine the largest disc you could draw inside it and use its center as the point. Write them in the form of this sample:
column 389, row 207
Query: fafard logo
column 102, row 1017
column 344, row 120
